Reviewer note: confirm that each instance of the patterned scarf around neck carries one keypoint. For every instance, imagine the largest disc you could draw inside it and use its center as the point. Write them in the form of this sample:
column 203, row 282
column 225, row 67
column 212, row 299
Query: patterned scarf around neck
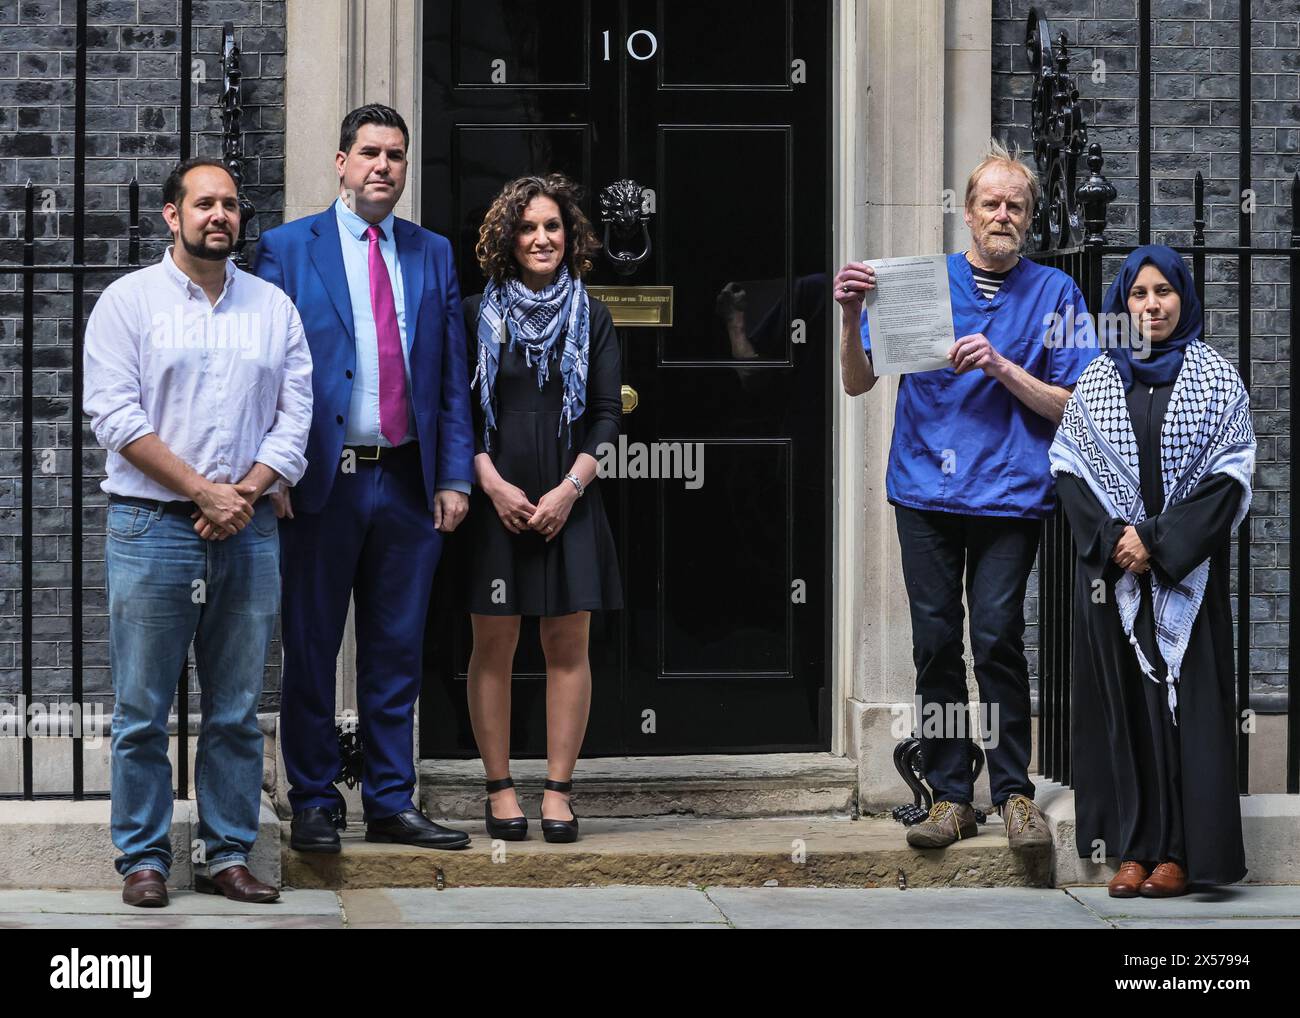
column 1207, row 430
column 512, row 314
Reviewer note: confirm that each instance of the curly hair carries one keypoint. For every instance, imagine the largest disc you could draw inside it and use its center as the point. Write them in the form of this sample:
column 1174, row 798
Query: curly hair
column 496, row 237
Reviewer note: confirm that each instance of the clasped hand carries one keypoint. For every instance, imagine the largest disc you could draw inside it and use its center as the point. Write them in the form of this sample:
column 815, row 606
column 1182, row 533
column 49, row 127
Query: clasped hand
column 1130, row 553
column 224, row 509
column 547, row 517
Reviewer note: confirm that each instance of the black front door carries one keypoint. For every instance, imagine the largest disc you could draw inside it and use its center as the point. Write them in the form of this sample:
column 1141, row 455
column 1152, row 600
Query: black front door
column 722, row 112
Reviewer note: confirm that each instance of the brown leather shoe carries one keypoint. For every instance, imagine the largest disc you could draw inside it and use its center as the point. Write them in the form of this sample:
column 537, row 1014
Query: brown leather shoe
column 1168, row 880
column 145, row 889
column 1128, row 881
column 237, row 884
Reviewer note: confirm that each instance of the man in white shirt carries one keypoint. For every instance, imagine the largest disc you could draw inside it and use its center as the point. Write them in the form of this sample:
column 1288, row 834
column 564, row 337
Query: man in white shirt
column 198, row 380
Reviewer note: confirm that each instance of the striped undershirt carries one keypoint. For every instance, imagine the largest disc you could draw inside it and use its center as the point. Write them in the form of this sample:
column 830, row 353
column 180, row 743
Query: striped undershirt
column 988, row 281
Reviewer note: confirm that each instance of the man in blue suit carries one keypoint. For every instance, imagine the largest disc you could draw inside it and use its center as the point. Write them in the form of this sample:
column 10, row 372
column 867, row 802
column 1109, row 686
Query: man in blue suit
column 389, row 468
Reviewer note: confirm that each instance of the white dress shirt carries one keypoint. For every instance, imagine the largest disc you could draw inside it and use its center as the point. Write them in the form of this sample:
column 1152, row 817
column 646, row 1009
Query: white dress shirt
column 223, row 385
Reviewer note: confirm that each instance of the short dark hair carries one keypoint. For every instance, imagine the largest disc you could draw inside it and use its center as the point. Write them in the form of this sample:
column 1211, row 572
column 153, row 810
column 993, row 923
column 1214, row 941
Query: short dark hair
column 371, row 113
column 174, row 185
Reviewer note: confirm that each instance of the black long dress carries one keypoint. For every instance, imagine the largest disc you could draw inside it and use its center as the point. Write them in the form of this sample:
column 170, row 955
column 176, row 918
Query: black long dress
column 1151, row 790
column 523, row 574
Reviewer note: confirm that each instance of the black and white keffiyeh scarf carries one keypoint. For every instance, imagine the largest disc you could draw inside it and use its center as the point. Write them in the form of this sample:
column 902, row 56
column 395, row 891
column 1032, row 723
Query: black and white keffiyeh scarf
column 510, row 314
column 1207, row 430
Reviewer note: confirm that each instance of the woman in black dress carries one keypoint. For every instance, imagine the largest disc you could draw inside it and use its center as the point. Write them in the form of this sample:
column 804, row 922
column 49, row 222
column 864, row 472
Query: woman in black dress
column 1153, row 464
column 546, row 366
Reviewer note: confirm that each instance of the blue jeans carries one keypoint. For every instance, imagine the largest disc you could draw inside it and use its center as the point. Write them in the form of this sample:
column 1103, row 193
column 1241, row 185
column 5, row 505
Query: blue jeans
column 152, row 562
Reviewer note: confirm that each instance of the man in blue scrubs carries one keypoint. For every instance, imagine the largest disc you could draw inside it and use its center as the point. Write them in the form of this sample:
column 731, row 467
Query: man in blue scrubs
column 968, row 478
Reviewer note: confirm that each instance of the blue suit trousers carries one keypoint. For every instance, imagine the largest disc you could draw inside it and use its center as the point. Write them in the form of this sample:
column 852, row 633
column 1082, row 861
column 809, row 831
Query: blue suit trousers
column 373, row 540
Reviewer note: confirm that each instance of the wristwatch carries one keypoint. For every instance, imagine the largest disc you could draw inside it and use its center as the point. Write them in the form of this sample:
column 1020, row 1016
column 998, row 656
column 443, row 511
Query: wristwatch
column 576, row 483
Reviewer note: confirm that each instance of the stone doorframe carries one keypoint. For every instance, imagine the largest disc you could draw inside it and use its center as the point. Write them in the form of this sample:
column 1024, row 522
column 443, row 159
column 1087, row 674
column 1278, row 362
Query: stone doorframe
column 912, row 78
column 377, row 43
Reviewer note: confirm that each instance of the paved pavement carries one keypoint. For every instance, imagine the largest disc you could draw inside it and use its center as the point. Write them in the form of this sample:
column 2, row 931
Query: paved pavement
column 720, row 908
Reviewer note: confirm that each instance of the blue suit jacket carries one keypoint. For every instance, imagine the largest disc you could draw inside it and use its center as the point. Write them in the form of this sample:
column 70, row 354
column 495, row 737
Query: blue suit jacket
column 304, row 259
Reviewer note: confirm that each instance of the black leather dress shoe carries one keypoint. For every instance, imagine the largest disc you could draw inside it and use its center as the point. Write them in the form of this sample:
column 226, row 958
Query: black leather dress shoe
column 411, row 827
column 314, row 830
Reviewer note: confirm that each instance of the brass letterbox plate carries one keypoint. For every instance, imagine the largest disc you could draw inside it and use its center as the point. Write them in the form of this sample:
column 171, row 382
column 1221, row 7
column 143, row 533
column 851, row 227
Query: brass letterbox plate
column 637, row 305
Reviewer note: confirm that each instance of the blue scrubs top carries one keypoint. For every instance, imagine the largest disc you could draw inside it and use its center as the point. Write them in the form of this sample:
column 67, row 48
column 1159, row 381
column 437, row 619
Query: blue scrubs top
column 963, row 443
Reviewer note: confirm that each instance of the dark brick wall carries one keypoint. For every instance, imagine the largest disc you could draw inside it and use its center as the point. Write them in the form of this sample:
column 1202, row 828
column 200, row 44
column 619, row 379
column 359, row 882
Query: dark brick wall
column 1195, row 126
column 133, row 92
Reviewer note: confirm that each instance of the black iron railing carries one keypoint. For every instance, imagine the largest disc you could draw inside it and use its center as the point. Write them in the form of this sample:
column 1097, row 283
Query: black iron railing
column 1070, row 234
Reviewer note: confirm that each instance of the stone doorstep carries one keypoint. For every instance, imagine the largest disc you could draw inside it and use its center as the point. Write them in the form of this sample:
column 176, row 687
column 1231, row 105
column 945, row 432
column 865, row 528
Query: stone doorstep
column 56, row 843
column 1270, row 828
column 740, row 785
column 679, row 851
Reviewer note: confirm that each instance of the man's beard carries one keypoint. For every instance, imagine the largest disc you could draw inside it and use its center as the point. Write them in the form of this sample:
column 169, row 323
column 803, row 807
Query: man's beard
column 1001, row 244
column 201, row 249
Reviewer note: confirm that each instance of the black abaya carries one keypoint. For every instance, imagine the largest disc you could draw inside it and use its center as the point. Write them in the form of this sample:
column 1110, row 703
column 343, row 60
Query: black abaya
column 1148, row 789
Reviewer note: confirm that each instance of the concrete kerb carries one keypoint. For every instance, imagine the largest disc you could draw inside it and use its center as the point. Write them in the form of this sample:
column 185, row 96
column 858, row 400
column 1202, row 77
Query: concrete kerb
column 66, row 844
column 1270, row 829
column 54, row 843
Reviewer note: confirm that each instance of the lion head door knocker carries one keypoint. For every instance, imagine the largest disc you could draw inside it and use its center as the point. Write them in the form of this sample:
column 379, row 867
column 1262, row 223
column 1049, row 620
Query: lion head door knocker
column 625, row 213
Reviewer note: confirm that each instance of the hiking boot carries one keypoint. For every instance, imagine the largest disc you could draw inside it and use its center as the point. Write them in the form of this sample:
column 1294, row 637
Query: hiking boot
column 1026, row 825
column 947, row 822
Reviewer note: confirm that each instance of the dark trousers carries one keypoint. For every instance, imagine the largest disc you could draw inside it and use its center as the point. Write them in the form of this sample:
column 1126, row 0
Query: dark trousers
column 374, row 541
column 996, row 554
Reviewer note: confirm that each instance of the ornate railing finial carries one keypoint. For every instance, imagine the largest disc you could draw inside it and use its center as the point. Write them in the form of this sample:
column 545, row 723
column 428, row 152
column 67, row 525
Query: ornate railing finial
column 1059, row 135
column 1095, row 195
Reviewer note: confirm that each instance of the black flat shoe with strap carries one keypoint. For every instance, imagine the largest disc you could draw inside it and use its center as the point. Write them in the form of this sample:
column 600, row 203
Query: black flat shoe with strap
column 509, row 829
column 560, row 831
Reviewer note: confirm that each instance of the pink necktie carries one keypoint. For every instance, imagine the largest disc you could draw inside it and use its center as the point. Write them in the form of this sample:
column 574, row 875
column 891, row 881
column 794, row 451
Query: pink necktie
column 392, row 370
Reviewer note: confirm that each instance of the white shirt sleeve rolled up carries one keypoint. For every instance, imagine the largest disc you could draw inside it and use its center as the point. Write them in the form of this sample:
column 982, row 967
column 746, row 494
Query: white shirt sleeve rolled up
column 282, row 448
column 113, row 366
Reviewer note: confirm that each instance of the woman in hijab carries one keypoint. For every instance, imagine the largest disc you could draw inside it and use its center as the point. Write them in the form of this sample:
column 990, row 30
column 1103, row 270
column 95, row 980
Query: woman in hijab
column 1153, row 463
column 548, row 375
